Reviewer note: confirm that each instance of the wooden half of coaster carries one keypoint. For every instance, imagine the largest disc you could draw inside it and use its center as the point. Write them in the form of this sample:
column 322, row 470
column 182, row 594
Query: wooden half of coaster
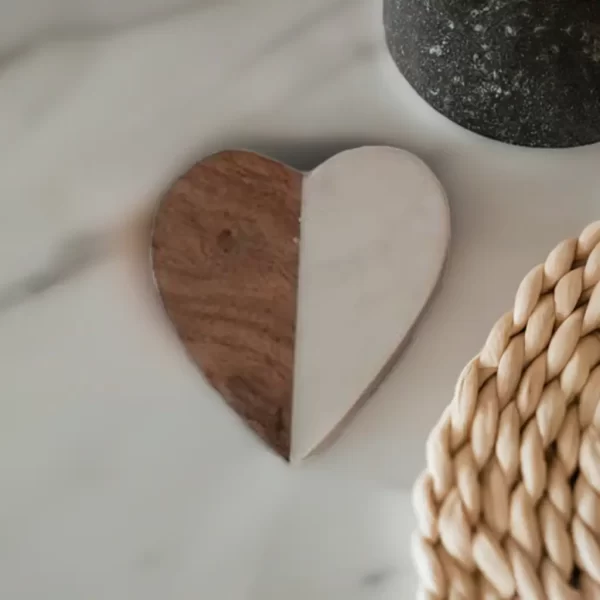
column 294, row 292
column 225, row 255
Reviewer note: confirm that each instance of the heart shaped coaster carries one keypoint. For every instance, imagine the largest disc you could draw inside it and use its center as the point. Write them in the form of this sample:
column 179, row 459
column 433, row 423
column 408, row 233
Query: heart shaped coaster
column 294, row 292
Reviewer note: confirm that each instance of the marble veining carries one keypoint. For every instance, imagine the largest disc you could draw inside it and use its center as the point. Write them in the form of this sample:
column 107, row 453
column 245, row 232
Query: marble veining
column 122, row 474
column 77, row 255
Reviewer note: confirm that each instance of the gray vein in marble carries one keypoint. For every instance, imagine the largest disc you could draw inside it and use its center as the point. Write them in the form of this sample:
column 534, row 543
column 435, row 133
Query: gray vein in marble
column 358, row 53
column 78, row 254
column 299, row 28
column 93, row 26
column 377, row 578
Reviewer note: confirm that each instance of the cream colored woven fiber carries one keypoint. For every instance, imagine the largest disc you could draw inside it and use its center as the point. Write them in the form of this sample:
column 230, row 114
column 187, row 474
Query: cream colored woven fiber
column 509, row 505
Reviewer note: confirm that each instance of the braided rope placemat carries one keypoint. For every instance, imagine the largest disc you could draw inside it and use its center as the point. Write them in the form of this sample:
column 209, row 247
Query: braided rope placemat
column 509, row 504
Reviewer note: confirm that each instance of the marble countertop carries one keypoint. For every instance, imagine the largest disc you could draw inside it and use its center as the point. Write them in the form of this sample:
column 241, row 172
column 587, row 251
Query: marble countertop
column 122, row 474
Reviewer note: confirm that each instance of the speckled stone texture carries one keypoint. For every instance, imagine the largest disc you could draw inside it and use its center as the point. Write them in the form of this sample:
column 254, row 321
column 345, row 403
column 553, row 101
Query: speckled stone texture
column 525, row 72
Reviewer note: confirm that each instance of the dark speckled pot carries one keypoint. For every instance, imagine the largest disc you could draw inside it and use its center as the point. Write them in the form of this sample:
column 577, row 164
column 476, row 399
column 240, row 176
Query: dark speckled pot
column 525, row 72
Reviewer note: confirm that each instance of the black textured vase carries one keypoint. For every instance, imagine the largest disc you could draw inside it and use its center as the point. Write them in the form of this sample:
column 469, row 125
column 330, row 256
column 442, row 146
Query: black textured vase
column 525, row 72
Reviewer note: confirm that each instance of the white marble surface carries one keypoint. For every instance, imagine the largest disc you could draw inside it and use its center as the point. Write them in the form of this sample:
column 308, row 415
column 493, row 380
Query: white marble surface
column 121, row 474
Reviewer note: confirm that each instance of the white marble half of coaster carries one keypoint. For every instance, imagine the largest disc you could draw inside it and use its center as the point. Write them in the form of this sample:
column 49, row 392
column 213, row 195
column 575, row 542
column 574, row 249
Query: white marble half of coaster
column 374, row 236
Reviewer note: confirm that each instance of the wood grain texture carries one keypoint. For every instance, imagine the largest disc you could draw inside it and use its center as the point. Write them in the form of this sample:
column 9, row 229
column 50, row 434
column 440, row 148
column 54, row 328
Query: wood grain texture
column 225, row 257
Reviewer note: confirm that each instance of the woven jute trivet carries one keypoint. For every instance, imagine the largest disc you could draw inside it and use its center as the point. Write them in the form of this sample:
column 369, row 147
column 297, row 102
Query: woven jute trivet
column 509, row 504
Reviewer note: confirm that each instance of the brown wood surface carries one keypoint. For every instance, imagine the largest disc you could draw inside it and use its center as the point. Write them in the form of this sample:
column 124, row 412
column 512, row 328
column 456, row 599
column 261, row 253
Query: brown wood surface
column 225, row 257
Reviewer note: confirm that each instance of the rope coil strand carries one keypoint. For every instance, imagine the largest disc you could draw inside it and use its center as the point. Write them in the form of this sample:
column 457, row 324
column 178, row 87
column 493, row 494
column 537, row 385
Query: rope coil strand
column 509, row 504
